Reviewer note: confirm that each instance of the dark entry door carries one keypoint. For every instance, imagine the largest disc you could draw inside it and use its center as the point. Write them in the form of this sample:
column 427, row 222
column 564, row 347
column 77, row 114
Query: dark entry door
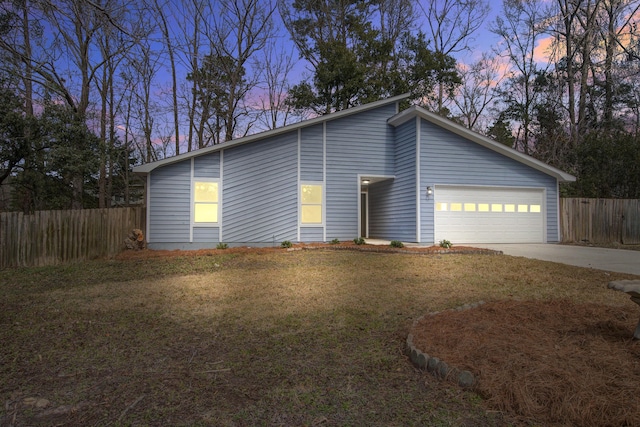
column 363, row 215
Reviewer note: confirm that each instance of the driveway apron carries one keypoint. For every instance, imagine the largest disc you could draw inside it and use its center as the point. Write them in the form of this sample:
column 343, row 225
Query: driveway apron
column 618, row 260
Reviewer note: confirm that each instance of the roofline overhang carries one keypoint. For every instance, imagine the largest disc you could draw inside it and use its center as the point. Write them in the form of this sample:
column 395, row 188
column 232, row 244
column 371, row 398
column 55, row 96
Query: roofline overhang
column 416, row 111
column 148, row 167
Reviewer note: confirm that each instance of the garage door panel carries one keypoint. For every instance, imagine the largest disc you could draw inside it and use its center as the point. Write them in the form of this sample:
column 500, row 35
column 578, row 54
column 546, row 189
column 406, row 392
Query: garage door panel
column 489, row 214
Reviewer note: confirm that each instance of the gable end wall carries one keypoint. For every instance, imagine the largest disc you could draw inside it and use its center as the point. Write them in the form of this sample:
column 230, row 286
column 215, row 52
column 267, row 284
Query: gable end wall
column 447, row 158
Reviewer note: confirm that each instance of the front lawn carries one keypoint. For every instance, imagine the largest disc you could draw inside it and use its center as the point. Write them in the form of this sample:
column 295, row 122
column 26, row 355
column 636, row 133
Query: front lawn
column 276, row 337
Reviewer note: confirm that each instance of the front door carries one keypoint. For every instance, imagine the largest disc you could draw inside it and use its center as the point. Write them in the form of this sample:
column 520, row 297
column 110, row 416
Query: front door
column 364, row 226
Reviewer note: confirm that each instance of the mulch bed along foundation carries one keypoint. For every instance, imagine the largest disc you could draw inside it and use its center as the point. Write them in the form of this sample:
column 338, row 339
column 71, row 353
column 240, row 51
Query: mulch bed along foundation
column 549, row 362
column 427, row 250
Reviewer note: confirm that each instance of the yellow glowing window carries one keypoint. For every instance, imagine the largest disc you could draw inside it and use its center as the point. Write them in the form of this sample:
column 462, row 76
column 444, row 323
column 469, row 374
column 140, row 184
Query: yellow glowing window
column 311, row 204
column 469, row 207
column 206, row 212
column 441, row 207
column 311, row 214
column 456, row 207
column 534, row 208
column 205, row 201
column 483, row 207
column 523, row 208
column 496, row 207
column 509, row 208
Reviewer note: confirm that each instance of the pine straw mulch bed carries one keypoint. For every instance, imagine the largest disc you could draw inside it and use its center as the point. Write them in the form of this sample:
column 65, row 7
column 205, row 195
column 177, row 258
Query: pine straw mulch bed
column 549, row 362
column 427, row 250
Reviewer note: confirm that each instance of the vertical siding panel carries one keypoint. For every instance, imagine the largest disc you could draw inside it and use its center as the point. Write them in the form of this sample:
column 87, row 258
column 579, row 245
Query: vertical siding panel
column 260, row 191
column 311, row 155
column 207, row 166
column 311, row 234
column 169, row 205
column 392, row 203
column 357, row 144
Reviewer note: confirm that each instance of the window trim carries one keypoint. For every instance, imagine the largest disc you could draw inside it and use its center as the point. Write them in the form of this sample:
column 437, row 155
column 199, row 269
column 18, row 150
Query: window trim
column 322, row 204
column 194, row 180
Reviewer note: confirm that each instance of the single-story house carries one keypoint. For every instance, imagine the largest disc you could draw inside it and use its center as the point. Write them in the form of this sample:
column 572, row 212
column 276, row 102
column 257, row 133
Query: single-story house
column 370, row 171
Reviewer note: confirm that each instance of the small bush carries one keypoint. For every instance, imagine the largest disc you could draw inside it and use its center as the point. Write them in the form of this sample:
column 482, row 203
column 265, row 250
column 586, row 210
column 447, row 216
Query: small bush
column 359, row 241
column 397, row 244
column 222, row 245
column 335, row 241
column 445, row 244
column 286, row 244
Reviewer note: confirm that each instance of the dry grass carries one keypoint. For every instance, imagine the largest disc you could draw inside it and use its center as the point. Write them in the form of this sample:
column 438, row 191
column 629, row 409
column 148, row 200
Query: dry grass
column 261, row 338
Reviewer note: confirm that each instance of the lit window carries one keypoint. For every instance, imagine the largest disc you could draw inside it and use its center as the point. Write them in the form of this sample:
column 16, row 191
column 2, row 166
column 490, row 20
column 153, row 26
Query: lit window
column 483, row 207
column 205, row 202
column 509, row 208
column 470, row 207
column 441, row 207
column 534, row 208
column 456, row 207
column 311, row 204
column 496, row 207
column 523, row 208
column 206, row 212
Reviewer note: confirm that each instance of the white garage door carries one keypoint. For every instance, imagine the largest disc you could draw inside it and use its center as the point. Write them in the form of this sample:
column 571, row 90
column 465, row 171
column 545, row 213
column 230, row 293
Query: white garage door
column 489, row 214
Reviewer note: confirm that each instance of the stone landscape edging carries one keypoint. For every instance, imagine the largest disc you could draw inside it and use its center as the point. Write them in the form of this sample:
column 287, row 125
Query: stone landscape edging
column 439, row 368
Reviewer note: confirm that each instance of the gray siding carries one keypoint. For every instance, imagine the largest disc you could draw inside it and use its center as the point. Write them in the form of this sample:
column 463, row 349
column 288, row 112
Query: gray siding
column 358, row 144
column 392, row 203
column 206, row 235
column 260, row 198
column 447, row 158
column 207, row 166
column 169, row 206
column 311, row 153
column 311, row 234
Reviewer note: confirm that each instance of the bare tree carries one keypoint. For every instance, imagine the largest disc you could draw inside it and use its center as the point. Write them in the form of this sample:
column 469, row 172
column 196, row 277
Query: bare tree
column 452, row 26
column 593, row 45
column 519, row 27
column 478, row 90
column 144, row 63
column 113, row 44
column 565, row 34
column 241, row 29
column 618, row 26
column 190, row 23
column 276, row 67
column 160, row 11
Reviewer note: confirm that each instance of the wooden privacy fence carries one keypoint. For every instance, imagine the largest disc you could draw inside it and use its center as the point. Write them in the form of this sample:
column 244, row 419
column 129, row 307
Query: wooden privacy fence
column 54, row 237
column 600, row 220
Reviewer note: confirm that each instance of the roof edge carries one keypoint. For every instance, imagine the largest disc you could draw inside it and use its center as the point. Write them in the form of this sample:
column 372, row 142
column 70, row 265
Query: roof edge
column 148, row 167
column 485, row 141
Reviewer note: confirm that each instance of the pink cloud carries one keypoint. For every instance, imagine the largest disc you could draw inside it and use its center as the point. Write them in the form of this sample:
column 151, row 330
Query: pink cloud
column 542, row 51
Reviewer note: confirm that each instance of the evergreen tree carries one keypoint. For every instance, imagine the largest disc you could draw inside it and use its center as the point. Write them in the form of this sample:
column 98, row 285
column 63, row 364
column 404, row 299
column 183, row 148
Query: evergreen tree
column 354, row 62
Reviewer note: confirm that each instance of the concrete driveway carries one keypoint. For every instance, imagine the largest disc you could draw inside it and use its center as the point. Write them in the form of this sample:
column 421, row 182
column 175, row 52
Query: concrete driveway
column 618, row 260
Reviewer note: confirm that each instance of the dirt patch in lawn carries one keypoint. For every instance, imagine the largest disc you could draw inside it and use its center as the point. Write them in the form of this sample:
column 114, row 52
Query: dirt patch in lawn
column 552, row 362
